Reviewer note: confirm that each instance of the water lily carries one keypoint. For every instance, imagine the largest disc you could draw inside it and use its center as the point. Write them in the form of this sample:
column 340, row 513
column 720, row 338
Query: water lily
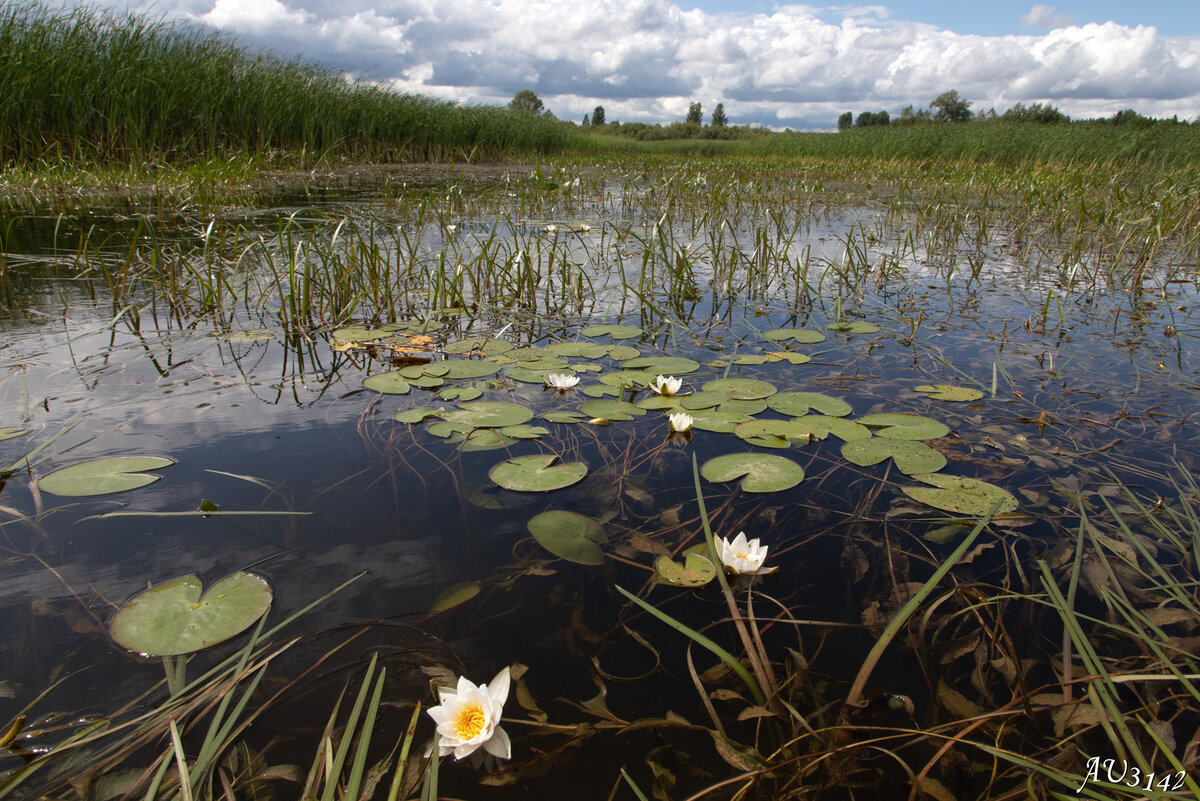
column 741, row 556
column 680, row 422
column 468, row 716
column 561, row 381
column 667, row 385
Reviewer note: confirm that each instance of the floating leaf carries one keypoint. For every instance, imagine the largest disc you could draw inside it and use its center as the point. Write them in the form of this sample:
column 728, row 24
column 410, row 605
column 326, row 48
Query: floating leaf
column 946, row 392
column 102, row 476
column 461, row 393
column 564, row 417
column 774, row 433
column 569, row 535
column 247, row 336
column 854, row 327
column 719, row 421
column 751, row 358
column 537, row 473
column 662, row 365
column 523, row 431
column 455, row 595
column 694, row 571
column 760, row 472
column 910, row 456
column 796, row 334
column 703, row 400
column 426, row 382
column 611, row 409
column 601, row 391
column 484, row 439
column 905, row 426
column 526, row 375
column 613, row 330
column 358, row 333
column 627, row 378
column 967, row 496
column 416, row 415
column 845, row 430
column 788, row 356
column 661, row 402
column 388, row 383
column 484, row 347
column 741, row 388
column 490, row 414
column 469, row 368
column 795, row 404
column 750, row 407
column 174, row 618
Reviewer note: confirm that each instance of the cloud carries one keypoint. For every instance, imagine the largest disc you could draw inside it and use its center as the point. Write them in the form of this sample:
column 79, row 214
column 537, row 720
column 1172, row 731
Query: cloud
column 1043, row 16
column 796, row 65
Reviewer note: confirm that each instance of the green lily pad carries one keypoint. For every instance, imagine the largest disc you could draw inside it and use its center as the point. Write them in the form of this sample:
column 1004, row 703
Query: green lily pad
column 627, row 378
column 703, row 400
column 662, row 365
column 750, row 407
column 752, row 358
column 946, row 392
column 426, row 382
column 613, row 330
column 358, row 333
column 910, row 456
column 484, row 347
column 966, row 496
column 569, row 535
column 694, row 571
column 788, row 356
column 774, row 433
column 845, row 430
column 174, row 618
column 619, row 353
column 451, row 432
column 455, row 595
column 483, row 439
column 564, row 417
column 802, row 335
column 247, row 336
column 489, row 414
column 741, row 388
column 905, row 426
column 718, row 421
column 602, row 391
column 523, row 431
column 853, row 327
column 796, row 404
column 461, row 393
column 661, row 402
column 388, row 383
column 537, row 473
column 759, row 472
column 411, row 416
column 102, row 476
column 527, row 376
column 469, row 368
column 611, row 409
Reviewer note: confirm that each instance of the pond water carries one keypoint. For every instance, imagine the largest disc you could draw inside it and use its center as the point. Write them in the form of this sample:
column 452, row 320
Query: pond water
column 235, row 342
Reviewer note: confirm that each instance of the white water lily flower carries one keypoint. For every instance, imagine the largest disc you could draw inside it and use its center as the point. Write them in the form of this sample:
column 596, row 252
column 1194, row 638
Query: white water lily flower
column 561, row 381
column 667, row 385
column 469, row 716
column 741, row 556
column 680, row 422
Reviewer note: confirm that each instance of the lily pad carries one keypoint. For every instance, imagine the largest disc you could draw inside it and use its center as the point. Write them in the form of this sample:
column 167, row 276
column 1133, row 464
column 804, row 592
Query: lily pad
column 564, row 417
column 845, row 430
column 483, row 439
column 484, row 347
column 750, row 407
column 569, row 535
column 490, row 414
column 469, row 368
column 524, row 431
column 174, row 618
column 601, row 391
column 795, row 334
column 741, row 388
column 788, row 356
column 694, row 571
column 752, row 358
column 661, row 402
column 774, row 433
column 967, row 496
column 461, row 393
column 388, row 383
column 102, row 476
column 416, row 415
column 905, row 426
column 719, row 421
column 946, row 392
column 455, row 595
column 613, row 330
column 611, row 409
column 662, row 365
column 358, row 333
column 910, row 456
column 704, row 400
column 795, row 404
column 627, row 378
column 537, row 473
column 853, row 327
column 759, row 472
column 527, row 376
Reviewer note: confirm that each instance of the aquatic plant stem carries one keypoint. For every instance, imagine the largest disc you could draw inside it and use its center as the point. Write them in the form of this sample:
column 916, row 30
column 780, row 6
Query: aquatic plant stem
column 906, row 611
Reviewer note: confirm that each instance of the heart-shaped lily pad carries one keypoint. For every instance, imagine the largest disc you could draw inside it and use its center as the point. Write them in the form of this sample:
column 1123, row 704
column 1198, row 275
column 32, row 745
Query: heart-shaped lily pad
column 569, row 535
column 627, row 378
column 703, row 400
column 412, row 416
column 967, row 496
column 694, row 571
column 662, row 365
column 461, row 393
column 845, row 430
column 174, row 618
column 719, row 421
column 946, row 392
column 788, row 356
column 662, row 402
column 910, row 456
column 796, row 404
column 490, row 414
column 741, row 388
column 905, row 426
column 760, row 472
column 774, row 433
column 390, row 383
column 795, row 334
column 611, row 409
column 469, row 368
column 102, row 476
column 537, row 473
column 613, row 330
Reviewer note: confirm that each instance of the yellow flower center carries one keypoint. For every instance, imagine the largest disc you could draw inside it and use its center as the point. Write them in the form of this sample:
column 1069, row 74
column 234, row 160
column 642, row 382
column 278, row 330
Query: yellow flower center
column 469, row 721
column 741, row 555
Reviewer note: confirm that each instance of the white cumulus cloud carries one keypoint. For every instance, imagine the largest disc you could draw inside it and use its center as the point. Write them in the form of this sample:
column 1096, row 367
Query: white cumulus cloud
column 1043, row 16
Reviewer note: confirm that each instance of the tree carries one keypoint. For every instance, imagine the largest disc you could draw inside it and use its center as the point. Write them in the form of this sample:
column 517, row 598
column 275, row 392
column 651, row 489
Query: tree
column 873, row 118
column 598, row 115
column 846, row 121
column 951, row 106
column 526, row 101
column 694, row 114
column 1035, row 113
column 586, row 121
column 719, row 120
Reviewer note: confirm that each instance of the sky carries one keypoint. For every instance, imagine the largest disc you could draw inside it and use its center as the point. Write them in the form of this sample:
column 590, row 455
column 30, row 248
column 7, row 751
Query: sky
column 770, row 64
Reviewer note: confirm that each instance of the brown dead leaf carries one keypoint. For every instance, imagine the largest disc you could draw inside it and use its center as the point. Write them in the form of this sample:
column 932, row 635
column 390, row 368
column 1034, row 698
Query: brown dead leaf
column 640, row 542
column 954, row 702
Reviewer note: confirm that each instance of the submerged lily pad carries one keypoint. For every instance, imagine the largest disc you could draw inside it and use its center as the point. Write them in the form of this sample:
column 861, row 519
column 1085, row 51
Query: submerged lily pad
column 967, row 496
column 796, row 334
column 455, row 595
column 390, row 383
column 537, row 473
column 946, row 392
column 102, row 476
column 905, row 426
column 490, row 414
column 795, row 404
column 741, row 388
column 569, row 535
column 695, row 571
column 174, row 618
column 910, row 456
column 613, row 330
column 760, row 472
